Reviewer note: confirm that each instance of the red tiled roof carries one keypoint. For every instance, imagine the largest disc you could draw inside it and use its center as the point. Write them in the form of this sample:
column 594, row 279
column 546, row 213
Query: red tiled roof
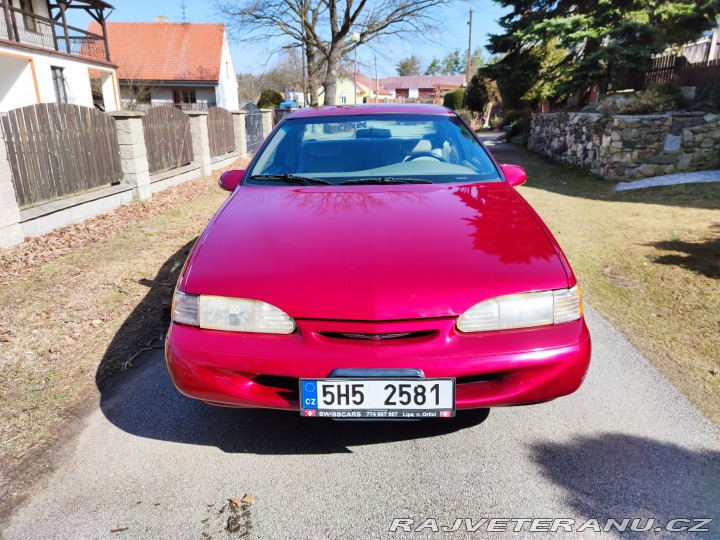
column 364, row 83
column 165, row 51
column 369, row 83
column 421, row 81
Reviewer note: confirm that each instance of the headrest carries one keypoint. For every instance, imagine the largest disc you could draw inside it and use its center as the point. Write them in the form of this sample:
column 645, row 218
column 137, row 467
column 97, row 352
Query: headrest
column 373, row 133
column 323, row 149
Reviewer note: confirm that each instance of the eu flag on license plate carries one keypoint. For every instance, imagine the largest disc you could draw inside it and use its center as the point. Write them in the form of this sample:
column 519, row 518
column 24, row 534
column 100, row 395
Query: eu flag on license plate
column 309, row 395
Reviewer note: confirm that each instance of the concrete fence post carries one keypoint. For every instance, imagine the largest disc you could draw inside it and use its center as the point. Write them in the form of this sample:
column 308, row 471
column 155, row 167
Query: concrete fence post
column 11, row 232
column 267, row 116
column 133, row 152
column 200, row 140
column 240, row 132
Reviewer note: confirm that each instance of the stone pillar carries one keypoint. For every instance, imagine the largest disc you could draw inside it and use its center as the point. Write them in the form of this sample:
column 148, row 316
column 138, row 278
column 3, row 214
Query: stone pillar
column 133, row 152
column 268, row 115
column 240, row 133
column 10, row 229
column 200, row 140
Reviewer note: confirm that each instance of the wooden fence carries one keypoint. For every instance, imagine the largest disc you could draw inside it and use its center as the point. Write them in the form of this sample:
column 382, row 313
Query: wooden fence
column 56, row 150
column 220, row 131
column 167, row 138
column 700, row 74
column 668, row 68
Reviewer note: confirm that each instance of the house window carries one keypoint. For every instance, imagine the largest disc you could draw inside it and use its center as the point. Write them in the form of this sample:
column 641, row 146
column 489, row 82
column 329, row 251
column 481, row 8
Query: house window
column 343, row 100
column 181, row 97
column 58, row 77
column 28, row 20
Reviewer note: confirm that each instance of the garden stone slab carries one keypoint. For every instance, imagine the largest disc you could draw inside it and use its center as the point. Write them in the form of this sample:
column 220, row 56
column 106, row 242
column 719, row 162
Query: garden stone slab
column 671, row 180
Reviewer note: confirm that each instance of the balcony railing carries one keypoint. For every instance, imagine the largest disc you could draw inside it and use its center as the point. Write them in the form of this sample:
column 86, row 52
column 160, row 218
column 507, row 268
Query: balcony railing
column 28, row 28
column 132, row 105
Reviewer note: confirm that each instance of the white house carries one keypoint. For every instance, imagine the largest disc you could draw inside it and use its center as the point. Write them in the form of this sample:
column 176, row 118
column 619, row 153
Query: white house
column 423, row 87
column 184, row 64
column 44, row 59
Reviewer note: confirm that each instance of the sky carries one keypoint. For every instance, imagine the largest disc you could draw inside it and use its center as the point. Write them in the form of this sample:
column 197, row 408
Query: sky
column 257, row 58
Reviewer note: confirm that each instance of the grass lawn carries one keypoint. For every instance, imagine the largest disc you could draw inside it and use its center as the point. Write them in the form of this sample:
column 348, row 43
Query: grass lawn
column 647, row 260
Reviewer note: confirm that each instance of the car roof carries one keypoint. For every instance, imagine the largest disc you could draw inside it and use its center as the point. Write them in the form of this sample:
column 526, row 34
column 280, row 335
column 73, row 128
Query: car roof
column 374, row 108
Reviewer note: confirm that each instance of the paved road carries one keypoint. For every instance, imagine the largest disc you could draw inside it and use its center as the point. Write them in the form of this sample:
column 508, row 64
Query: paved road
column 163, row 466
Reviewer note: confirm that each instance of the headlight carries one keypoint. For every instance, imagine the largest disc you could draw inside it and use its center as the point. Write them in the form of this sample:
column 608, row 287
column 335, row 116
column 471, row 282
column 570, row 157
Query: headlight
column 523, row 311
column 185, row 309
column 233, row 314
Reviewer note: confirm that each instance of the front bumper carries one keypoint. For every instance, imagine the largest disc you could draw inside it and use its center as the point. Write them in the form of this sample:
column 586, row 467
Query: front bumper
column 511, row 367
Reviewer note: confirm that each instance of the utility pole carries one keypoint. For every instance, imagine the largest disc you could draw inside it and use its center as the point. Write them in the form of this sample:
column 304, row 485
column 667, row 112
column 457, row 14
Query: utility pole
column 377, row 83
column 183, row 5
column 469, row 58
column 355, row 77
column 304, row 70
column 355, row 38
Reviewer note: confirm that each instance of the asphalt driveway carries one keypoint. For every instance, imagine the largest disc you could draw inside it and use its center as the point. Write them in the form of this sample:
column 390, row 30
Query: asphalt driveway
column 151, row 463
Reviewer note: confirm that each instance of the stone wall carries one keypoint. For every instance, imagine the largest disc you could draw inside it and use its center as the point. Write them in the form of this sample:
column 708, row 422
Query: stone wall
column 629, row 147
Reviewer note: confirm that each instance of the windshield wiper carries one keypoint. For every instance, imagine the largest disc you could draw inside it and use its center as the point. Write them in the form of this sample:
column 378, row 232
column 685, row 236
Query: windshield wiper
column 386, row 180
column 290, row 179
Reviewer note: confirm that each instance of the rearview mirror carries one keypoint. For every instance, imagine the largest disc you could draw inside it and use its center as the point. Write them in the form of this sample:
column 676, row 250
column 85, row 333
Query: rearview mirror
column 230, row 179
column 514, row 175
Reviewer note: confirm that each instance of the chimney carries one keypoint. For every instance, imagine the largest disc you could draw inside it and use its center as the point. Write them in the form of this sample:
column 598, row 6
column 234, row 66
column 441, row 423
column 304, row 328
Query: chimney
column 161, row 18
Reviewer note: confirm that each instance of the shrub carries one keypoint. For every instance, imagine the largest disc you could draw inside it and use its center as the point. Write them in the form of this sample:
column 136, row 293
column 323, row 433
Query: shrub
column 471, row 117
column 517, row 126
column 511, row 116
column 657, row 98
column 454, row 99
column 479, row 93
column 520, row 140
column 496, row 122
column 707, row 98
column 269, row 99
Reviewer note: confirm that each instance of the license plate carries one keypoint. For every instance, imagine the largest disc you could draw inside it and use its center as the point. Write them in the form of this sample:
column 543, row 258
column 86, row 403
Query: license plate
column 377, row 398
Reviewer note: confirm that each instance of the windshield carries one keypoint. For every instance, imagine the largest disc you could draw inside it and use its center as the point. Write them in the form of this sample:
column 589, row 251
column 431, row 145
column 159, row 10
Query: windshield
column 373, row 149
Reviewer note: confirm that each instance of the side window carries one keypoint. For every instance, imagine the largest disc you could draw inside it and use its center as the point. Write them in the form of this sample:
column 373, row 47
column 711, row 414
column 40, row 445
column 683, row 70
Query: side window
column 470, row 152
column 58, row 77
column 269, row 160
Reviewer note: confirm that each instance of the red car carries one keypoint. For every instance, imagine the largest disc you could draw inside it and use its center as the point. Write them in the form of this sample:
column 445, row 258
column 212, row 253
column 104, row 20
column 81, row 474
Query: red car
column 375, row 261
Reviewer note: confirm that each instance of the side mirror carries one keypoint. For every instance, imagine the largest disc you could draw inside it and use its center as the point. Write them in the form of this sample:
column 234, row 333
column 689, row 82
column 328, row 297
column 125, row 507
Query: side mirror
column 514, row 175
column 230, row 179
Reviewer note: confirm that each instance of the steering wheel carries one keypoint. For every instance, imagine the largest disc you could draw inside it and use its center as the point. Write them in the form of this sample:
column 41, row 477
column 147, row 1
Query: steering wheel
column 425, row 154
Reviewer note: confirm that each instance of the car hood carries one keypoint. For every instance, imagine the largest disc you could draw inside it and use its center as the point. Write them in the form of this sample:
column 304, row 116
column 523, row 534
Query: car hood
column 374, row 252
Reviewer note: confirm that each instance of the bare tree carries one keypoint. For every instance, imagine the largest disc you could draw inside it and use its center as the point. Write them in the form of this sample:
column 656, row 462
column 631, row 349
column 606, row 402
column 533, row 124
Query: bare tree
column 286, row 73
column 136, row 94
column 324, row 27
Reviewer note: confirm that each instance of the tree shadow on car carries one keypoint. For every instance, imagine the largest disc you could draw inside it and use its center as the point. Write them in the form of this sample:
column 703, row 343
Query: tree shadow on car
column 138, row 396
column 615, row 476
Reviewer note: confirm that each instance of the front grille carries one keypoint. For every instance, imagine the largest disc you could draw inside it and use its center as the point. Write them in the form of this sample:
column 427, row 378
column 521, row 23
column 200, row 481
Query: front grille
column 275, row 381
column 376, row 337
column 485, row 377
